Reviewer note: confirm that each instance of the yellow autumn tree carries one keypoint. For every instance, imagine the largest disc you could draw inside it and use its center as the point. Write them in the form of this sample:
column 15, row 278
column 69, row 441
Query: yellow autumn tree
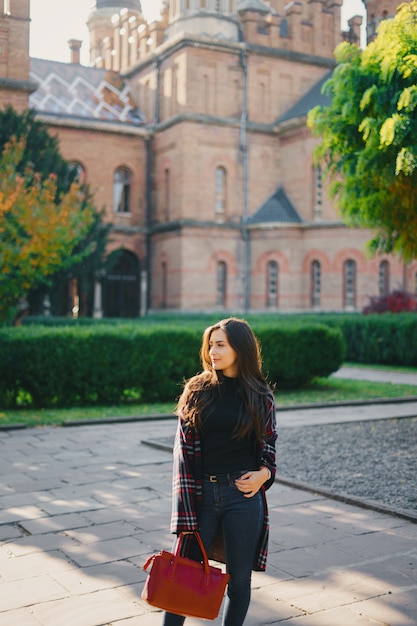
column 39, row 228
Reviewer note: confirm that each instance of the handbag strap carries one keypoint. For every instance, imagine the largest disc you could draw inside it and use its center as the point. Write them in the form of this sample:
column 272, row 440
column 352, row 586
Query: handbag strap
column 148, row 562
column 202, row 548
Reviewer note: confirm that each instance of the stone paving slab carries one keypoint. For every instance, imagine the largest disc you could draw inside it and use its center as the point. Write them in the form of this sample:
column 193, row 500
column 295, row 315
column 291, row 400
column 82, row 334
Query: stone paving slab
column 72, row 549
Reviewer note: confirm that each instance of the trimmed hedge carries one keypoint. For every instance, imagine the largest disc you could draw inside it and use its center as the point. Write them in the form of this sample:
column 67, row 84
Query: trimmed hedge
column 294, row 354
column 94, row 365
column 386, row 339
column 101, row 364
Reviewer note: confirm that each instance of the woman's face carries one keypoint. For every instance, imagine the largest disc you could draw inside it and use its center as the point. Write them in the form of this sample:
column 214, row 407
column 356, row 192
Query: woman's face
column 222, row 355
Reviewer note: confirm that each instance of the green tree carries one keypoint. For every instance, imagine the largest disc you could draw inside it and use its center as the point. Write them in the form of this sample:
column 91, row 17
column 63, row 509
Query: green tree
column 369, row 134
column 40, row 164
column 39, row 227
column 41, row 151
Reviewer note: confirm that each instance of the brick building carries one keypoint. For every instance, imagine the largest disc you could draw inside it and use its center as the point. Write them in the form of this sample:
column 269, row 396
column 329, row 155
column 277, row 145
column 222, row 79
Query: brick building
column 191, row 131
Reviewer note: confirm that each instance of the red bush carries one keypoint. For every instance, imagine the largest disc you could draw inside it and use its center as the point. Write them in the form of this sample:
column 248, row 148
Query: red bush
column 396, row 302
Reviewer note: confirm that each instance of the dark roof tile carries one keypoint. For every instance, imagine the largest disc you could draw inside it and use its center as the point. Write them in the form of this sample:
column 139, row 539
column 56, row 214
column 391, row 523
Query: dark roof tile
column 312, row 98
column 278, row 208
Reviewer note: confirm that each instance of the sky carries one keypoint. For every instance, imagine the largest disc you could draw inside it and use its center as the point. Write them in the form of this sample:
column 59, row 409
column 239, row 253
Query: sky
column 54, row 22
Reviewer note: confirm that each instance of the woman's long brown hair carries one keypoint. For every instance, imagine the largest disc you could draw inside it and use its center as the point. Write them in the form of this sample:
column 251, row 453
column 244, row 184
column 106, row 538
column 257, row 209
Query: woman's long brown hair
column 199, row 391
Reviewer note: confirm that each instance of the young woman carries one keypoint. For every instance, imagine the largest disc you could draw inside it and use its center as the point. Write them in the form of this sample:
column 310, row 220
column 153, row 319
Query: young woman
column 224, row 460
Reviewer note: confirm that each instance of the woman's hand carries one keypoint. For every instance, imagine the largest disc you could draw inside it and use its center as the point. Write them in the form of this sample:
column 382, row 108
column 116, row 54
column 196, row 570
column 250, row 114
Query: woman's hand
column 250, row 483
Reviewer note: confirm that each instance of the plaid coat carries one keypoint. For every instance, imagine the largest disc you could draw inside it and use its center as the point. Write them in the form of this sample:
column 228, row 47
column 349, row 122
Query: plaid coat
column 187, row 484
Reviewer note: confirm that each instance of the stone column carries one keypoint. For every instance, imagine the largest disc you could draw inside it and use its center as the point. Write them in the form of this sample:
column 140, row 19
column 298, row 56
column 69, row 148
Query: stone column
column 98, row 306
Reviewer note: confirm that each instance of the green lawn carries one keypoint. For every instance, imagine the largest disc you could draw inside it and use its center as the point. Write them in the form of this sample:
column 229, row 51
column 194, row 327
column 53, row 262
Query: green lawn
column 322, row 391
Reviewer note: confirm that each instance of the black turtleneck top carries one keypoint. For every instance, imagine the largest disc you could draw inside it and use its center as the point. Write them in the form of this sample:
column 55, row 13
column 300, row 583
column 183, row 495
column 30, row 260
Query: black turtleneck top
column 222, row 452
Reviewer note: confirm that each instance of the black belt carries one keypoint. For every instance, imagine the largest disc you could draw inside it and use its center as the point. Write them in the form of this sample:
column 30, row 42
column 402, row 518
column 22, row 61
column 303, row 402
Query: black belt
column 223, row 478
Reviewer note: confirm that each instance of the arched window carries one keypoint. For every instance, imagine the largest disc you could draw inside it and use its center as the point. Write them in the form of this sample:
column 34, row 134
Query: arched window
column 80, row 175
column 349, row 284
column 272, row 284
column 221, row 284
column 121, row 191
column 220, row 192
column 384, row 278
column 315, row 284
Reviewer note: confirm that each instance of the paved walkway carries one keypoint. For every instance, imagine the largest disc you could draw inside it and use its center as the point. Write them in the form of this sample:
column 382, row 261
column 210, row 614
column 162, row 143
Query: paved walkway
column 375, row 374
column 291, row 416
column 356, row 412
column 82, row 508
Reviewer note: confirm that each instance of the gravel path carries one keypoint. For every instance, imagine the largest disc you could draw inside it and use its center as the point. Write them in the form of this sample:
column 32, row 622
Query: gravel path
column 374, row 461
column 370, row 460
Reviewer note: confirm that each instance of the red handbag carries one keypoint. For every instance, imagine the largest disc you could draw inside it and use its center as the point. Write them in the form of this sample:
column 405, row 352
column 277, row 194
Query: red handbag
column 183, row 586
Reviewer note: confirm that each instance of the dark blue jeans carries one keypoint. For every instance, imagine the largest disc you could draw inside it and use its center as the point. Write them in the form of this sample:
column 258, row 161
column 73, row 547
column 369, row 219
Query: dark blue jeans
column 241, row 519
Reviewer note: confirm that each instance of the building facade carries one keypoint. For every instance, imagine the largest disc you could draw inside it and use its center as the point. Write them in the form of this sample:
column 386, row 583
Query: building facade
column 191, row 132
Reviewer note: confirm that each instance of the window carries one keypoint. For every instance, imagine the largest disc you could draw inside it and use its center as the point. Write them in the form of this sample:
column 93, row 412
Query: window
column 80, row 175
column 221, row 284
column 206, row 94
column 236, row 91
column 167, row 176
column 220, row 192
column 262, row 101
column 146, row 99
column 174, row 90
column 318, row 192
column 284, row 29
column 349, row 284
column 315, row 284
column 121, row 191
column 384, row 278
column 272, row 284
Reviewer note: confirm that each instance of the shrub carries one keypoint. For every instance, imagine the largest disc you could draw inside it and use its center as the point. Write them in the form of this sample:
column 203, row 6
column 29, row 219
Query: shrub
column 100, row 364
column 295, row 354
column 396, row 302
column 387, row 339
